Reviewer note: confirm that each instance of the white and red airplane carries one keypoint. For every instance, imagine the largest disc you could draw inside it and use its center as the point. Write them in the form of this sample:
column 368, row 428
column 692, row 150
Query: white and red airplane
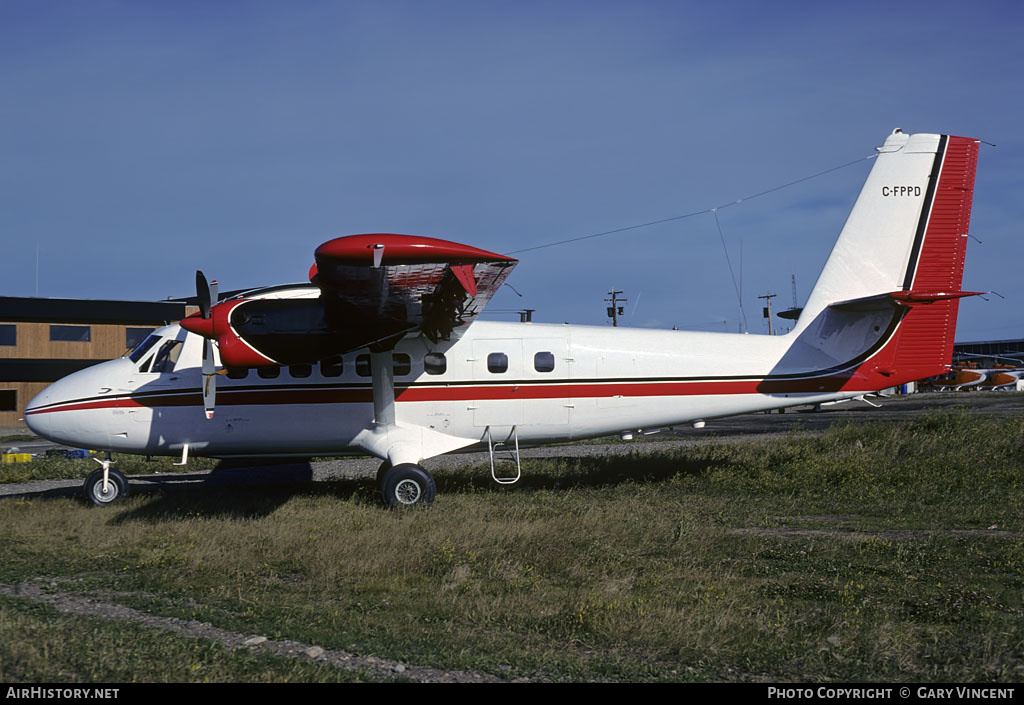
column 382, row 353
column 1004, row 379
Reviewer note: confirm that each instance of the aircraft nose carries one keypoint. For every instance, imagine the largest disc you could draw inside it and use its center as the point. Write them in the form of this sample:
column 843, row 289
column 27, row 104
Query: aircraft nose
column 39, row 417
column 69, row 410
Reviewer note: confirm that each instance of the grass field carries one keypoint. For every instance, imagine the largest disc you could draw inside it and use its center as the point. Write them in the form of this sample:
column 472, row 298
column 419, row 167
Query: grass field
column 872, row 552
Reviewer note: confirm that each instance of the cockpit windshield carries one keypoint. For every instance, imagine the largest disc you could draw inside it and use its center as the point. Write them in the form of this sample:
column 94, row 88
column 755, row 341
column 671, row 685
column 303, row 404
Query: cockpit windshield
column 143, row 347
column 167, row 358
column 161, row 361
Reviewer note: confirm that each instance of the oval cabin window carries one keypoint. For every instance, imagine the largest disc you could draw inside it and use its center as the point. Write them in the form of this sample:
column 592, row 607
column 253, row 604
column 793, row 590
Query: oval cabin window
column 544, row 362
column 497, row 362
column 435, row 364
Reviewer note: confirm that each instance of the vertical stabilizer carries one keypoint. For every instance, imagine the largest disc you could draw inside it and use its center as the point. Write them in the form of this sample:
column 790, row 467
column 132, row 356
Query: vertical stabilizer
column 905, row 241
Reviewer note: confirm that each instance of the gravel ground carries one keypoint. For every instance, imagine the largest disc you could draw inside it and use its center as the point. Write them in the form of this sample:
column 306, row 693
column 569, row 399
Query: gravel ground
column 338, row 469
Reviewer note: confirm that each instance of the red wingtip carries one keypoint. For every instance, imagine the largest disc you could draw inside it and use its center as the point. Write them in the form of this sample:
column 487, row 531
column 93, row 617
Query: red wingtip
column 402, row 249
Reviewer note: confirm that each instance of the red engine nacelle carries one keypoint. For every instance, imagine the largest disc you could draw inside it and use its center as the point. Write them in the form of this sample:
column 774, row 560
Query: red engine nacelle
column 234, row 352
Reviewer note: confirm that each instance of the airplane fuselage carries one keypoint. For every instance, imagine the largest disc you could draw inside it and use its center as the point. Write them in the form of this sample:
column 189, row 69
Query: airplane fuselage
column 549, row 382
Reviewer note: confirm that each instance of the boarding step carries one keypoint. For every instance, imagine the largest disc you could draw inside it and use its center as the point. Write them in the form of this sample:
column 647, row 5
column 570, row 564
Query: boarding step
column 506, row 451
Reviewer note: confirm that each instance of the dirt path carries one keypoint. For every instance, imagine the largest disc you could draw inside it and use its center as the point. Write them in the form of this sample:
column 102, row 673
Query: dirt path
column 376, row 667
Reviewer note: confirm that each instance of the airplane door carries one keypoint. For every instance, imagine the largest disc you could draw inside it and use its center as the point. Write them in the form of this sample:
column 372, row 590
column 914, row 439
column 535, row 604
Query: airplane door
column 497, row 370
column 546, row 377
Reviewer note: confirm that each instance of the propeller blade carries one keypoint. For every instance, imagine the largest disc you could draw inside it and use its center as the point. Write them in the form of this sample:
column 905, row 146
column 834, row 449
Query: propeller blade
column 208, row 364
column 209, row 394
column 203, row 293
column 209, row 379
column 207, row 293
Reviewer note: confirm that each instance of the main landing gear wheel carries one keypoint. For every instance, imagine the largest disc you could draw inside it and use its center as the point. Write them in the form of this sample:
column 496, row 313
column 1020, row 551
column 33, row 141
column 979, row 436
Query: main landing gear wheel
column 406, row 485
column 381, row 471
column 116, row 487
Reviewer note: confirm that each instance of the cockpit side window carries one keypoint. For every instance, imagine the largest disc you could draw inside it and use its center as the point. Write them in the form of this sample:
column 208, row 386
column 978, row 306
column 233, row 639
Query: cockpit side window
column 167, row 358
column 143, row 347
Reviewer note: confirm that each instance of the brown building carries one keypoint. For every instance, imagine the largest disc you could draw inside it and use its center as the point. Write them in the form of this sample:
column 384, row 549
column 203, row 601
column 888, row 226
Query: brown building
column 42, row 340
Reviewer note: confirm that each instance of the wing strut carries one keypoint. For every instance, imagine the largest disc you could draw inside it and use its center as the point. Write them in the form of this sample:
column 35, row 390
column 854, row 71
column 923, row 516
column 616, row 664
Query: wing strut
column 382, row 368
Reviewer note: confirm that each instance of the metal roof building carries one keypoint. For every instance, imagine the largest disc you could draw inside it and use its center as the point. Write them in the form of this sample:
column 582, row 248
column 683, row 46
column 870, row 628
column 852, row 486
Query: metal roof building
column 994, row 351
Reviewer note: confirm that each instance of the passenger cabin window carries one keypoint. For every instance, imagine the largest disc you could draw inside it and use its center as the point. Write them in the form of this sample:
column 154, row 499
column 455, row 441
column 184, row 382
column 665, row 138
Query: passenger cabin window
column 363, row 366
column 544, row 362
column 497, row 362
column 332, row 366
column 435, row 364
column 238, row 372
column 300, row 370
column 402, row 364
column 71, row 334
column 167, row 357
column 268, row 372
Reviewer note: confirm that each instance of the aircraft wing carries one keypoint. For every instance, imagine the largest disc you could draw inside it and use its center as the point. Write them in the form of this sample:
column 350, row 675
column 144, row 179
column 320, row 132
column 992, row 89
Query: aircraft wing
column 416, row 282
column 374, row 289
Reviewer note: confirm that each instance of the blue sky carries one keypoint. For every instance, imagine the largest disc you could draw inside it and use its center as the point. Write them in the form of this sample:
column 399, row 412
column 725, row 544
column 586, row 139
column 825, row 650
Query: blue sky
column 140, row 141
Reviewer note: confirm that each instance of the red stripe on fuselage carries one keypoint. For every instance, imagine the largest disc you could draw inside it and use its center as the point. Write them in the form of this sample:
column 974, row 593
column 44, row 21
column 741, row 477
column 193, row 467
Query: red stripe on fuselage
column 82, row 406
column 490, row 392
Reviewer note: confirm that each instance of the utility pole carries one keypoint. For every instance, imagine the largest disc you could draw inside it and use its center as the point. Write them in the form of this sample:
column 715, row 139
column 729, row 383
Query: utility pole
column 614, row 311
column 767, row 310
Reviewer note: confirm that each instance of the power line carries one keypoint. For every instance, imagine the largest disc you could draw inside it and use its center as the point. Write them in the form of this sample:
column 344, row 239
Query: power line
column 739, row 295
column 694, row 213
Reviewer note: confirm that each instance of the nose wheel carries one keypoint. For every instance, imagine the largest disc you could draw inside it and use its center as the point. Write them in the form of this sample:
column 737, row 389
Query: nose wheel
column 405, row 485
column 105, row 486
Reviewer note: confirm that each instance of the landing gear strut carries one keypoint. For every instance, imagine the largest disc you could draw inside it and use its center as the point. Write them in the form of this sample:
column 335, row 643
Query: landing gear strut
column 105, row 486
column 405, row 485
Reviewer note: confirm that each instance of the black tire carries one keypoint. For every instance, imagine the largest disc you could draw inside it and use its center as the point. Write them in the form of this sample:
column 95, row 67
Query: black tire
column 407, row 485
column 116, row 488
column 381, row 472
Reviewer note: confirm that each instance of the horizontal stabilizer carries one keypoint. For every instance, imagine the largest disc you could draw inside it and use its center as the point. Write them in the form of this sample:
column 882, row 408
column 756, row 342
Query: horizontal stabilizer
column 880, row 302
